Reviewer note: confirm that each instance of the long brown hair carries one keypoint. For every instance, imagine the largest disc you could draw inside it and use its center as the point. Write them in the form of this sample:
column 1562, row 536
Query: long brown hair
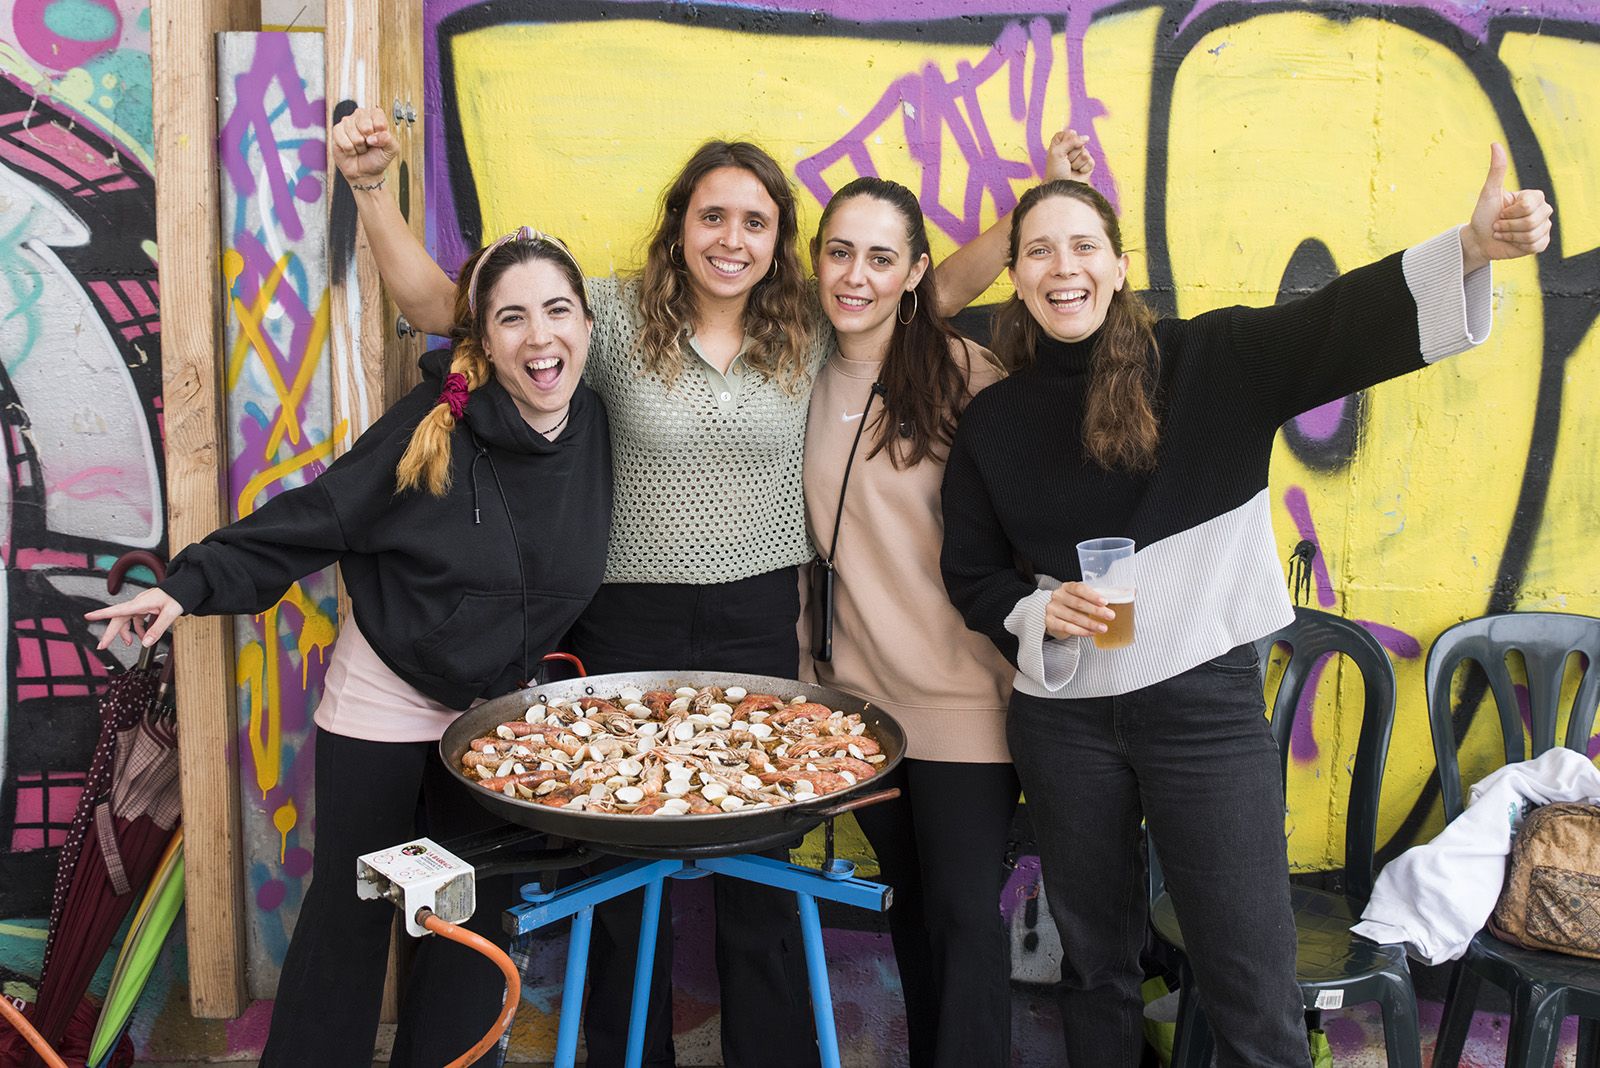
column 777, row 315
column 1121, row 429
column 426, row 462
column 924, row 390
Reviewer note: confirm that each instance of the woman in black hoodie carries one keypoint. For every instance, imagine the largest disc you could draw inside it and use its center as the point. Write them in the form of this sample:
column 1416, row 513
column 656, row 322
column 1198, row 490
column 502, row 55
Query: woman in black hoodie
column 471, row 524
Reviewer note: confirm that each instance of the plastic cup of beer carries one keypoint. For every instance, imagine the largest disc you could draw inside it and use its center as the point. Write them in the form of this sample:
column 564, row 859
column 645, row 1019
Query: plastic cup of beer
column 1109, row 568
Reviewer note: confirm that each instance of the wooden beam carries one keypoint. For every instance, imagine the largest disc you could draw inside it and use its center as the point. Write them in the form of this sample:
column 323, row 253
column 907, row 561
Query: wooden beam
column 401, row 55
column 183, row 59
column 356, row 303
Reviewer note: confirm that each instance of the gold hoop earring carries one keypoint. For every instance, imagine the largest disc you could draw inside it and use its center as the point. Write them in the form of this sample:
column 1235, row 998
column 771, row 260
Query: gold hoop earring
column 675, row 254
column 914, row 304
column 772, row 272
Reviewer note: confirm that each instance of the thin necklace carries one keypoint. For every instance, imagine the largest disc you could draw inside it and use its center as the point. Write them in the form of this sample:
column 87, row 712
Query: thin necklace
column 550, row 435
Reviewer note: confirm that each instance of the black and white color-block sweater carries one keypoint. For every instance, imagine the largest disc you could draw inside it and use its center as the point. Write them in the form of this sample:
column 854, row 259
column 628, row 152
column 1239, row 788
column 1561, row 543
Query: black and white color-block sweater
column 1020, row 492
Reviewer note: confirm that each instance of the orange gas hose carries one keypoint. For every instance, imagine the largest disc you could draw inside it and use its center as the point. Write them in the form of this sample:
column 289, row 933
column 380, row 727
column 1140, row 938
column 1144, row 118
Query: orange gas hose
column 446, row 929
column 14, row 1016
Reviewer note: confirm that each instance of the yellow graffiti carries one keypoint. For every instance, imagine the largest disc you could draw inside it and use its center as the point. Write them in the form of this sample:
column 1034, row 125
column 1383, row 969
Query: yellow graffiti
column 1554, row 79
column 284, row 818
column 250, row 334
column 596, row 183
column 257, row 673
column 262, row 479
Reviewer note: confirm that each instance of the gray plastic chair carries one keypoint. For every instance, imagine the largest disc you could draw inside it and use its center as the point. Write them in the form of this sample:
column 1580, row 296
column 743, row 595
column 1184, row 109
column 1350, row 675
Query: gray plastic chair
column 1545, row 988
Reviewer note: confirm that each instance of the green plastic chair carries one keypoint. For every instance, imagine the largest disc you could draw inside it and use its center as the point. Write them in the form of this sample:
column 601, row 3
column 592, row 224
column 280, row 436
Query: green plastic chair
column 1545, row 988
column 1334, row 967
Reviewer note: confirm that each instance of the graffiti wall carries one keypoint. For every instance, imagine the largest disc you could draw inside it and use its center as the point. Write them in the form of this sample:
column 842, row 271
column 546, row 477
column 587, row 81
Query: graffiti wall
column 80, row 410
column 273, row 158
column 1254, row 150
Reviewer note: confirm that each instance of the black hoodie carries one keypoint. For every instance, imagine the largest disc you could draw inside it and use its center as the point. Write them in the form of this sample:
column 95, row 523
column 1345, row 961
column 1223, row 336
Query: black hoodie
column 434, row 581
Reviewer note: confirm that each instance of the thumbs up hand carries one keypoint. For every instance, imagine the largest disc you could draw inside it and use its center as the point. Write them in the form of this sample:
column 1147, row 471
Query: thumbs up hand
column 1504, row 224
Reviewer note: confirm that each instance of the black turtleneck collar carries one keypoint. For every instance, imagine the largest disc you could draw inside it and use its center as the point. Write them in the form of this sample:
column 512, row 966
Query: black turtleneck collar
column 1064, row 357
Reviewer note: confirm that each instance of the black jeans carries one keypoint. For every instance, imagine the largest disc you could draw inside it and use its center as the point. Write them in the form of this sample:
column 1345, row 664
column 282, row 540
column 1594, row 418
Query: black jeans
column 1194, row 757
column 746, row 626
column 941, row 846
column 371, row 795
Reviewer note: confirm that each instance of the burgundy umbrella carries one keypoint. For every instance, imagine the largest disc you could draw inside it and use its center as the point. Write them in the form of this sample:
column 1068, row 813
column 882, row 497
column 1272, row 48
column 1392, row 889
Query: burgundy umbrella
column 124, row 819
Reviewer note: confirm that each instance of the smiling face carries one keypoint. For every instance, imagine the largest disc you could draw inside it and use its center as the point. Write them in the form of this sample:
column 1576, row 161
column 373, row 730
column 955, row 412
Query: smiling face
column 537, row 338
column 864, row 268
column 730, row 232
column 1066, row 268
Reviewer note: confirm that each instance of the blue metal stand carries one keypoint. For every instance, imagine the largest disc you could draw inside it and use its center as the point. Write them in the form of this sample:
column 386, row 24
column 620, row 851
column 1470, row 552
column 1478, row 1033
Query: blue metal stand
column 579, row 900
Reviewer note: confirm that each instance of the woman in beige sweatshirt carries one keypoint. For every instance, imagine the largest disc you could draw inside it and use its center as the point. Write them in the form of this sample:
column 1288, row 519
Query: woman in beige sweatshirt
column 885, row 407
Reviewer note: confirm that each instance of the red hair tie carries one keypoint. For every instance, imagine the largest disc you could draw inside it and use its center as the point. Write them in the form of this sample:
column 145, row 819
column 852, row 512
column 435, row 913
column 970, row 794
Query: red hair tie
column 454, row 394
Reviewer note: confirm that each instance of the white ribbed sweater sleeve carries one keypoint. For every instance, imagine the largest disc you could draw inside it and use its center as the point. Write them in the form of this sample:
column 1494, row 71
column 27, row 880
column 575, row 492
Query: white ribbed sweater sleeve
column 1047, row 661
column 1454, row 312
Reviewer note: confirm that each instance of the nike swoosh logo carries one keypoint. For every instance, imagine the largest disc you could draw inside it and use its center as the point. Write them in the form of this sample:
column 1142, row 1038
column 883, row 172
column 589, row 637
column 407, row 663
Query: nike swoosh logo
column 851, row 418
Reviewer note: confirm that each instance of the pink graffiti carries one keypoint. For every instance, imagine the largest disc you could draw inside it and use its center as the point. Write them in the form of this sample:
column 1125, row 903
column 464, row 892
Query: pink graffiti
column 1299, row 508
column 57, row 51
column 932, row 106
column 250, row 127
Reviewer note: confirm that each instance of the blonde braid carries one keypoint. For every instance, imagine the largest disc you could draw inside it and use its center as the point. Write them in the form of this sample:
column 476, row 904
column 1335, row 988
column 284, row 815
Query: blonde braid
column 426, row 463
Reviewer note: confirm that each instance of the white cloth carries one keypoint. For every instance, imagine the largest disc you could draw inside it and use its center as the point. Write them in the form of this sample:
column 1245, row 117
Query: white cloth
column 1433, row 898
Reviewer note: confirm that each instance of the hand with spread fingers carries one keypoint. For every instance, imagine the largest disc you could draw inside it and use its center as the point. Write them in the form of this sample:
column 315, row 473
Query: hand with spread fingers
column 1068, row 157
column 363, row 146
column 1076, row 610
column 133, row 618
column 1505, row 224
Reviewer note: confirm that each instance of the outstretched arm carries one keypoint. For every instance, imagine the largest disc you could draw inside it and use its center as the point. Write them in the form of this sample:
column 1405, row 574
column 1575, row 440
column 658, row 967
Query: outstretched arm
column 969, row 270
column 363, row 148
column 1388, row 318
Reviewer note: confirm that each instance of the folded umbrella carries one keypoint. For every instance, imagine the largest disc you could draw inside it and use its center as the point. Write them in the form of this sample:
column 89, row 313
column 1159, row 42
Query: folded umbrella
column 131, row 828
column 149, row 933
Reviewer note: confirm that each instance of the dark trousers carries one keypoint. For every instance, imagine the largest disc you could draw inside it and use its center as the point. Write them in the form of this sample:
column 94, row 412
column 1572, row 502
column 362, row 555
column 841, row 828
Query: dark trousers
column 746, row 626
column 1193, row 756
column 371, row 795
column 941, row 846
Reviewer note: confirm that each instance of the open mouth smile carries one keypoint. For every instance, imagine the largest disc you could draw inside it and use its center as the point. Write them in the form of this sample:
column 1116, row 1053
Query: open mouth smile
column 545, row 372
column 1067, row 300
column 727, row 268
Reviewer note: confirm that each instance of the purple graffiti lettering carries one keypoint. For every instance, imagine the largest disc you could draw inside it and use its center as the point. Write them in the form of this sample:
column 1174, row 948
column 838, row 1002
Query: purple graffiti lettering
column 250, row 126
column 932, row 105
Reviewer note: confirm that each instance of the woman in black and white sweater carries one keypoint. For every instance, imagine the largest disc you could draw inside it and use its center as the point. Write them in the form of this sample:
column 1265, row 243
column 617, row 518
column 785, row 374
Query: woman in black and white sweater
column 1121, row 426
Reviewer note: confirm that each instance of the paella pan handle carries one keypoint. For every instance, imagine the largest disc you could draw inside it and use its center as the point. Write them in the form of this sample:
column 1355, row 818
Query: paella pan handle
column 569, row 658
column 842, row 807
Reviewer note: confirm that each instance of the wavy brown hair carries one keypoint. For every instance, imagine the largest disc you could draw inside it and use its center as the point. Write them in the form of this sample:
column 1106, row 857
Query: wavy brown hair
column 924, row 389
column 777, row 314
column 1121, row 428
column 426, row 461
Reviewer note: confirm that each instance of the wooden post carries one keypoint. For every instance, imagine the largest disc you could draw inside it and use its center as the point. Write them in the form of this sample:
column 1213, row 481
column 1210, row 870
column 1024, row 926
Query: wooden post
column 402, row 81
column 183, row 59
column 374, row 57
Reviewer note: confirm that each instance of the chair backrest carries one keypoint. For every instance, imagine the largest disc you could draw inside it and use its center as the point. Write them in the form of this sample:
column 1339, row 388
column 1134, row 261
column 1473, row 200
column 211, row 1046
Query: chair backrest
column 1546, row 641
column 1312, row 636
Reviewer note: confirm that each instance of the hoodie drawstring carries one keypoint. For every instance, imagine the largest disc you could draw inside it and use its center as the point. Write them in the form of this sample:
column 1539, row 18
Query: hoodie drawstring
column 516, row 543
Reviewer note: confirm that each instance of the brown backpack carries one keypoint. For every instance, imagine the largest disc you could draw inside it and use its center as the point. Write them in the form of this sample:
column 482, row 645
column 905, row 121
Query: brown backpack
column 1551, row 897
